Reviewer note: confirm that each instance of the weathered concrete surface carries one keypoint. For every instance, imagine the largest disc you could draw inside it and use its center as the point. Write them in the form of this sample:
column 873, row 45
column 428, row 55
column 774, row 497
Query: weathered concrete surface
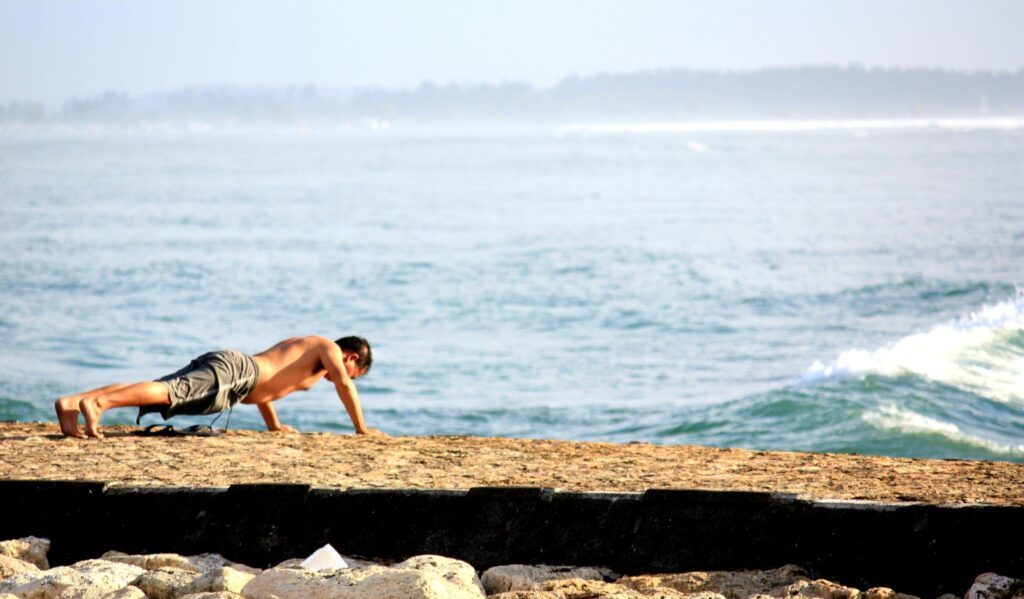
column 37, row 451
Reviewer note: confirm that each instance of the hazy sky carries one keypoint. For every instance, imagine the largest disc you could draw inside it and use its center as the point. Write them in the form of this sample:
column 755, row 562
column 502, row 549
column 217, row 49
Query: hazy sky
column 51, row 50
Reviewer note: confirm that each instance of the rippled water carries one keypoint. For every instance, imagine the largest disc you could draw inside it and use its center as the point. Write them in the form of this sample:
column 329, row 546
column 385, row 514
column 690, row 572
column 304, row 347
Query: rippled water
column 851, row 289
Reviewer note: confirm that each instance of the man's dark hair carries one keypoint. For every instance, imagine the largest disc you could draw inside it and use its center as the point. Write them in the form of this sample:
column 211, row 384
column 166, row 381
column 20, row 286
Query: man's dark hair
column 360, row 347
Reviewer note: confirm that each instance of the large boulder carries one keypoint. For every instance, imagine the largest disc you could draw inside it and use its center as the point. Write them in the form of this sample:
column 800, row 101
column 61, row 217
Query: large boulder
column 288, row 583
column 578, row 588
column 517, row 577
column 90, row 579
column 9, row 566
column 29, row 549
column 788, row 582
column 826, row 589
column 453, row 571
column 994, row 586
column 164, row 583
column 420, row 577
column 817, row 589
column 217, row 581
column 733, row 585
column 414, row 584
column 202, row 563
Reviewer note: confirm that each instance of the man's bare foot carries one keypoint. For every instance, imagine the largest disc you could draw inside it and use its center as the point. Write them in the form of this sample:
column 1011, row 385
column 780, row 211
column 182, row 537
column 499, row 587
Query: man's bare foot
column 92, row 412
column 67, row 416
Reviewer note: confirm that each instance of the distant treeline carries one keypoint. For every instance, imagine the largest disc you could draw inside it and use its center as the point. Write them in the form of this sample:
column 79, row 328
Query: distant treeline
column 675, row 94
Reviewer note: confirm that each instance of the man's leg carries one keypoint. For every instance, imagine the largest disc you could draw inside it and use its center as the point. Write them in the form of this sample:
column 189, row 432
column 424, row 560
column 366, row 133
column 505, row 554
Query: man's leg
column 139, row 394
column 67, row 408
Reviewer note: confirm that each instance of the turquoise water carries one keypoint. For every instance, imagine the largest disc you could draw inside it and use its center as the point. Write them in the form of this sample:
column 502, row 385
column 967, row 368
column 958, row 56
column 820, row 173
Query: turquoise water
column 848, row 289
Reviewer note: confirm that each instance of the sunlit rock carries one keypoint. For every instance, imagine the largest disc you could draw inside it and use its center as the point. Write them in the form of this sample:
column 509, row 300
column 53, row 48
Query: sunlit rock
column 220, row 580
column 29, row 549
column 994, row 586
column 165, row 583
column 202, row 563
column 420, row 577
column 9, row 566
column 90, row 579
column 518, row 577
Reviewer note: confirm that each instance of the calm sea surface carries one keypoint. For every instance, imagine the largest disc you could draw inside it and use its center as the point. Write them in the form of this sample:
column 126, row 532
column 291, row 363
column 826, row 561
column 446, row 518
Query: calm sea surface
column 850, row 289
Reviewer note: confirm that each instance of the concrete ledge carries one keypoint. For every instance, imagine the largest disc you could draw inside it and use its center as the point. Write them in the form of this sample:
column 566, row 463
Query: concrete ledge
column 920, row 548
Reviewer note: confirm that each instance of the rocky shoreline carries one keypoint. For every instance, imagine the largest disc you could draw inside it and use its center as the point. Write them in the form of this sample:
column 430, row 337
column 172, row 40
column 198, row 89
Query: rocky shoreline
column 26, row 574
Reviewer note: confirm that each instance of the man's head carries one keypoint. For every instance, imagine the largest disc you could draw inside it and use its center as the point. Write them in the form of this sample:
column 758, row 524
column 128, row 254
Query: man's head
column 360, row 348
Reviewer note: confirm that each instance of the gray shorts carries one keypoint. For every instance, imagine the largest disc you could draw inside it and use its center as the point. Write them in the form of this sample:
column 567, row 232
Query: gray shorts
column 213, row 382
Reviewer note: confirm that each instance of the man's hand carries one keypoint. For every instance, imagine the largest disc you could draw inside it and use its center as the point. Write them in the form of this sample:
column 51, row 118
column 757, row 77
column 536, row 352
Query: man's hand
column 372, row 432
column 270, row 417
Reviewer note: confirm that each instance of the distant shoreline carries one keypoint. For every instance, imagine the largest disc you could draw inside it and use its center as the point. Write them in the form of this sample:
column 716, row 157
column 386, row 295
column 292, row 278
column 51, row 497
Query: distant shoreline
column 567, row 128
column 822, row 92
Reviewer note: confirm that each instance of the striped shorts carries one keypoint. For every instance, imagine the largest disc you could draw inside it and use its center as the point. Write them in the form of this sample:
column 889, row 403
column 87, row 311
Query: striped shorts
column 213, row 382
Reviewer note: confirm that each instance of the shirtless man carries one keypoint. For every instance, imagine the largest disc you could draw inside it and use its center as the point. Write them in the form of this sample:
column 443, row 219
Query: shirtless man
column 218, row 380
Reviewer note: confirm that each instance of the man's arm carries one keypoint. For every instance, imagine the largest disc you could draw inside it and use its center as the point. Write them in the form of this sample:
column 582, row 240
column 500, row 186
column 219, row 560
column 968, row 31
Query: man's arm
column 331, row 357
column 270, row 417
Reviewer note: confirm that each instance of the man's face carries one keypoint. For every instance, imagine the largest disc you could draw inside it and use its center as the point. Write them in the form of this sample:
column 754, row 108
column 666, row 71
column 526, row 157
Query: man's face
column 352, row 366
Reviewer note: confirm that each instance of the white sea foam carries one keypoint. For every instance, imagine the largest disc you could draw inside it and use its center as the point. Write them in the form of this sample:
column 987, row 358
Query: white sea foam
column 891, row 417
column 975, row 353
column 858, row 126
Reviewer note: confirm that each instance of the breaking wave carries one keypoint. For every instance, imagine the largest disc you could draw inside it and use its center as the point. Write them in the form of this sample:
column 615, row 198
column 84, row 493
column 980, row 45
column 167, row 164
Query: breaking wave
column 981, row 353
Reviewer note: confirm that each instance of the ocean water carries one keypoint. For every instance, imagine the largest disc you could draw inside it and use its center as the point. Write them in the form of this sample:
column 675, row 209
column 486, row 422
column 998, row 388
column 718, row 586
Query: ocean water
column 821, row 287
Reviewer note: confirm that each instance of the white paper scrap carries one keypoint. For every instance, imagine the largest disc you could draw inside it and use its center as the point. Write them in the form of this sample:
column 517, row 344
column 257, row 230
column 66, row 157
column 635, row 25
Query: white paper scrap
column 324, row 558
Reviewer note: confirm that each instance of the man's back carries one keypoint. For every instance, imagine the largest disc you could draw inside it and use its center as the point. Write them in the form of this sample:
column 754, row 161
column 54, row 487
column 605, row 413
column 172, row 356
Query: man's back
column 293, row 364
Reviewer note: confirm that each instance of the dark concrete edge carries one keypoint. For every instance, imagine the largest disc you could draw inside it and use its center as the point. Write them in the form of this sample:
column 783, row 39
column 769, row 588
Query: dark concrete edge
column 855, row 542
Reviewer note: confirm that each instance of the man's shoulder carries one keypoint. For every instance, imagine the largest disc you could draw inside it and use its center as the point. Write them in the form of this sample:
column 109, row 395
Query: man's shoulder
column 305, row 340
column 306, row 343
column 314, row 341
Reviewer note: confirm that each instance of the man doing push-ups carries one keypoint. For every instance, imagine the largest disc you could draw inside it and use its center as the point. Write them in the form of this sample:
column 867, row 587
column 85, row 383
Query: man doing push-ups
column 216, row 381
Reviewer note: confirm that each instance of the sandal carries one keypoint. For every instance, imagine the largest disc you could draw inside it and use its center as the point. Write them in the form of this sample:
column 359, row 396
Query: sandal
column 166, row 430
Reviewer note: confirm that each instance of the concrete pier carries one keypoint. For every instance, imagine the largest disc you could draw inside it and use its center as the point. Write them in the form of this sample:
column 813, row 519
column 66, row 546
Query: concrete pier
column 921, row 545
